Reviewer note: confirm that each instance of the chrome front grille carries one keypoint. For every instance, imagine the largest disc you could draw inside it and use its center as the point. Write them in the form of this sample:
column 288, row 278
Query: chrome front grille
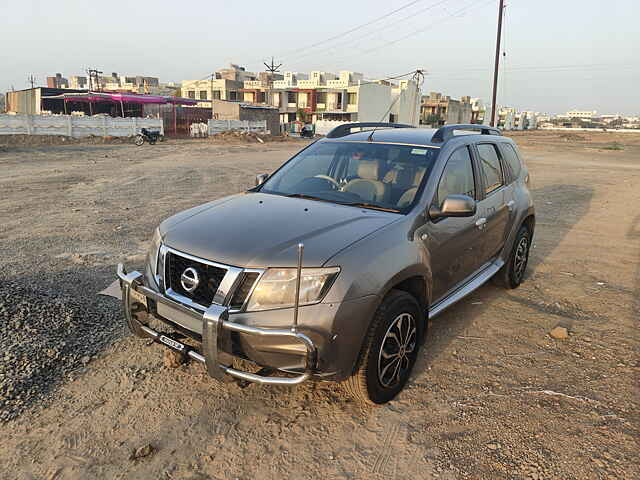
column 218, row 283
column 209, row 277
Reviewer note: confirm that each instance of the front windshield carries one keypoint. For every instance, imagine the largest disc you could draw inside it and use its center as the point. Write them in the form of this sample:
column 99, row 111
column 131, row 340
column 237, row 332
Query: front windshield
column 365, row 174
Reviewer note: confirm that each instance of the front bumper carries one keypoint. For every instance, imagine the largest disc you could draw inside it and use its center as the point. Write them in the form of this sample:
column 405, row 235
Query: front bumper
column 215, row 329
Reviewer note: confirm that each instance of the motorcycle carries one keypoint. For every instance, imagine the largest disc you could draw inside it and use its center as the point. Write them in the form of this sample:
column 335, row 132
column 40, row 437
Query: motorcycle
column 307, row 131
column 151, row 136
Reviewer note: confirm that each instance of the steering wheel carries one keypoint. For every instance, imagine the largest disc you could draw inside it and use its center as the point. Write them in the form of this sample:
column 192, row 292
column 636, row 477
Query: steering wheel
column 330, row 180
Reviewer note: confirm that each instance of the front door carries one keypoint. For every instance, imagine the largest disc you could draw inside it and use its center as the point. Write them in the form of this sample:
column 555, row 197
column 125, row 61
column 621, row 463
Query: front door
column 453, row 242
column 493, row 209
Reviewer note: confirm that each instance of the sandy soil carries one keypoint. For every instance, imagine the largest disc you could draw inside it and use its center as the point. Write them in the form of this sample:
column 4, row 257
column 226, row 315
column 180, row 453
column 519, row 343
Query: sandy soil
column 492, row 396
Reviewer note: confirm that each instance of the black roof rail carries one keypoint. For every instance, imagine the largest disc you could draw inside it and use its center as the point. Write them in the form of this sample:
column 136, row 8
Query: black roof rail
column 345, row 128
column 445, row 133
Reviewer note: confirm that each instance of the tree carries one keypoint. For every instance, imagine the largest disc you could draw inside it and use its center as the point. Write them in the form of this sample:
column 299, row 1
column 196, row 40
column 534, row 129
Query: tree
column 2, row 104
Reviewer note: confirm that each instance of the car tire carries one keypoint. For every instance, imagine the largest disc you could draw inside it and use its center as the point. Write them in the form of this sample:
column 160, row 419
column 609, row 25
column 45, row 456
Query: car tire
column 512, row 273
column 377, row 379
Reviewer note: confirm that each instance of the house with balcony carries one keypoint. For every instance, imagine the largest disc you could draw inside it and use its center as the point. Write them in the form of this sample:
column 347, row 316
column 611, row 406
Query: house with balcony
column 226, row 84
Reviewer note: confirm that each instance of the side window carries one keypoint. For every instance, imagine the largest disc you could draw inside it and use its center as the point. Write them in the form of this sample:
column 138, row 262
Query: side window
column 491, row 168
column 457, row 178
column 512, row 159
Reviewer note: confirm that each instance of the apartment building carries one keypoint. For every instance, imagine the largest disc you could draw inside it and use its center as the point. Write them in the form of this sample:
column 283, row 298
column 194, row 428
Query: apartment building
column 580, row 114
column 478, row 112
column 58, row 81
column 311, row 96
column 225, row 84
column 509, row 118
column 438, row 109
column 115, row 82
column 344, row 97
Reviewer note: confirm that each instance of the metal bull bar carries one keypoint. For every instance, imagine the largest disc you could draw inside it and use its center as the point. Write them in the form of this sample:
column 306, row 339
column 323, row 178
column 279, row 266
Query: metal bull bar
column 215, row 320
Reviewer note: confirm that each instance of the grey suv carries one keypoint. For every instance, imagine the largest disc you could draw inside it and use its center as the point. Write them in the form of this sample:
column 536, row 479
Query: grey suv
column 330, row 268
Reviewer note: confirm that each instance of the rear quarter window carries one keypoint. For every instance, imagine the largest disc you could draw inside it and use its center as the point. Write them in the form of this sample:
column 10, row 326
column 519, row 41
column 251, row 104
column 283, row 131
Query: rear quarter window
column 512, row 158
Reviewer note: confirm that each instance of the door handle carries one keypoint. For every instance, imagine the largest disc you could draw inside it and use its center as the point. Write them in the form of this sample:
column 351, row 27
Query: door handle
column 510, row 205
column 481, row 223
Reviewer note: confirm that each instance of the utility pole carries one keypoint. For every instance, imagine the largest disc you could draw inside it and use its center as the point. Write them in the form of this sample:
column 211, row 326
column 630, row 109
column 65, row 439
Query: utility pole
column 497, row 64
column 31, row 79
column 272, row 68
column 93, row 73
column 211, row 88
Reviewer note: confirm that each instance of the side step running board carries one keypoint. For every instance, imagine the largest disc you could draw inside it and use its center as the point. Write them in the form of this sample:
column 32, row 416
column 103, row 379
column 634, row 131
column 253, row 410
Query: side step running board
column 465, row 290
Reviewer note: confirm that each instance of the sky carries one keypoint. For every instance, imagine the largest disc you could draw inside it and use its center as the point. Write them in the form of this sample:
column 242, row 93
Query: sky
column 558, row 54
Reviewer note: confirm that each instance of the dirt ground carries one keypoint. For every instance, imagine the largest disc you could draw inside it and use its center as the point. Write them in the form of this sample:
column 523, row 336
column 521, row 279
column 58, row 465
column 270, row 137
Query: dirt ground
column 493, row 396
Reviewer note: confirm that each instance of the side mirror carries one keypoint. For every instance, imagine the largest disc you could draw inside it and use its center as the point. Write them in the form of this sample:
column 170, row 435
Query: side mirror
column 261, row 178
column 454, row 206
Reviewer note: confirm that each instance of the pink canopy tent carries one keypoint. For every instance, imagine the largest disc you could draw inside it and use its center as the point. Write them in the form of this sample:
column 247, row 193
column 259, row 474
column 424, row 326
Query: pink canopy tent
column 121, row 98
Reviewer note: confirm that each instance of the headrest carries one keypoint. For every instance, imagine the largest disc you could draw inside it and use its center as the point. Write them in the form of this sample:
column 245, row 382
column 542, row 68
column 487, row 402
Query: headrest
column 419, row 174
column 401, row 175
column 368, row 169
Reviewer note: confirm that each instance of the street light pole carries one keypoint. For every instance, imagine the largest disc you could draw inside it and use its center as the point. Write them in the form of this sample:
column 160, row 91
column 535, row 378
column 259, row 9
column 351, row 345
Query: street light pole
column 497, row 64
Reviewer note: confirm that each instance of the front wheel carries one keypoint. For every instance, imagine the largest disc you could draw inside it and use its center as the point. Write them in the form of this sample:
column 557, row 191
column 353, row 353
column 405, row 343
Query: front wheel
column 139, row 140
column 389, row 351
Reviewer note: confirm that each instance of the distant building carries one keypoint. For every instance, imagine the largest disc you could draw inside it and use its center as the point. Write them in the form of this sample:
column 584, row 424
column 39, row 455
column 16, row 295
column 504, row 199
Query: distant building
column 225, row 110
column 509, row 118
column 478, row 112
column 113, row 82
column 581, row 114
column 225, row 84
column 311, row 97
column 78, row 82
column 437, row 110
column 57, row 82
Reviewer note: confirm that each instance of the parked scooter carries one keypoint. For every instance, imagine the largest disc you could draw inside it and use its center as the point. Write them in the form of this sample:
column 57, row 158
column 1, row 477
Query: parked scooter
column 306, row 131
column 151, row 136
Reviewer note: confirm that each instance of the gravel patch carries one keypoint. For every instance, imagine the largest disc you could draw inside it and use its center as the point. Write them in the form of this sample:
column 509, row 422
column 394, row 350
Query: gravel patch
column 44, row 337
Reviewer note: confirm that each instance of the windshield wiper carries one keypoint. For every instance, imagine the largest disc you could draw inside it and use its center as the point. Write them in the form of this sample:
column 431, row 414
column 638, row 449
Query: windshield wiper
column 303, row 195
column 371, row 206
column 350, row 204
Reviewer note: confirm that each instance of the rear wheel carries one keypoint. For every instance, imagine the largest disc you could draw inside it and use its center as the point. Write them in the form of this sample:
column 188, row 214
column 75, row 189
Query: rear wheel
column 139, row 140
column 512, row 273
column 390, row 350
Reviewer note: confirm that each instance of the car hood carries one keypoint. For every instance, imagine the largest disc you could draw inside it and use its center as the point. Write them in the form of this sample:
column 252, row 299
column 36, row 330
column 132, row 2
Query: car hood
column 262, row 230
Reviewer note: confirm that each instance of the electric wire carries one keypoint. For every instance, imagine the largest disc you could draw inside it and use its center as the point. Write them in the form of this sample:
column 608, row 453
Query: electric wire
column 368, row 34
column 354, row 29
column 419, row 31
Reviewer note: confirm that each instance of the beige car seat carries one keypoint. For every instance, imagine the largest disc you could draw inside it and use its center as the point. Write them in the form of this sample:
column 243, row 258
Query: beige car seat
column 368, row 187
column 407, row 197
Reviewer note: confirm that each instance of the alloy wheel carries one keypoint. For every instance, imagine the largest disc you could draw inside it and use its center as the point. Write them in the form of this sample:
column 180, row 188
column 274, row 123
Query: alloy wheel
column 399, row 343
column 520, row 260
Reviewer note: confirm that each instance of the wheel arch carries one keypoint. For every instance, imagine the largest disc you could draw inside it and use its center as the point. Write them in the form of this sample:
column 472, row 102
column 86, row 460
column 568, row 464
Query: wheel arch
column 530, row 223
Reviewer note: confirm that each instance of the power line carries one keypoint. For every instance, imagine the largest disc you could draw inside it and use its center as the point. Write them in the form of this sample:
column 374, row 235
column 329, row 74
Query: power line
column 354, row 29
column 375, row 32
column 419, row 31
column 395, row 77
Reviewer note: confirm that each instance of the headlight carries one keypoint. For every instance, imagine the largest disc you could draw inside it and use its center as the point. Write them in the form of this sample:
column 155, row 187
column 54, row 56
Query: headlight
column 154, row 249
column 277, row 287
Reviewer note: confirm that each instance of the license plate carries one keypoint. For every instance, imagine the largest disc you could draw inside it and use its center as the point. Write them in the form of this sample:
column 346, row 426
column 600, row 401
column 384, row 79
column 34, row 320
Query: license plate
column 138, row 297
column 170, row 342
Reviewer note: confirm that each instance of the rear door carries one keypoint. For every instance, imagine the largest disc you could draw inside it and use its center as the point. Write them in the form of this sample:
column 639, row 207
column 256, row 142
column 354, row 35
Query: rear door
column 493, row 212
column 453, row 242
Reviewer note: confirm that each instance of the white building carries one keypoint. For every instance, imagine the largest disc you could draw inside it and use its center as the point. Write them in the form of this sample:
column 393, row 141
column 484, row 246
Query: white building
column 581, row 114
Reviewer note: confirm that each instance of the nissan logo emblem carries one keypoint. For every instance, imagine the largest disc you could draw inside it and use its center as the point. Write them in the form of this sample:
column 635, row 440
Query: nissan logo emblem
column 189, row 279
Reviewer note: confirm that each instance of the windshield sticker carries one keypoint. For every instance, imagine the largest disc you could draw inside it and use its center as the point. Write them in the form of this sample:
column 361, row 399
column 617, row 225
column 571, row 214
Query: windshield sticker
column 418, row 151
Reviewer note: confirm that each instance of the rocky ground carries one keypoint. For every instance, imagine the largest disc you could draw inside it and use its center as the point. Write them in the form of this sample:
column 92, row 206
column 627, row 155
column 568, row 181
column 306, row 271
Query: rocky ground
column 494, row 394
